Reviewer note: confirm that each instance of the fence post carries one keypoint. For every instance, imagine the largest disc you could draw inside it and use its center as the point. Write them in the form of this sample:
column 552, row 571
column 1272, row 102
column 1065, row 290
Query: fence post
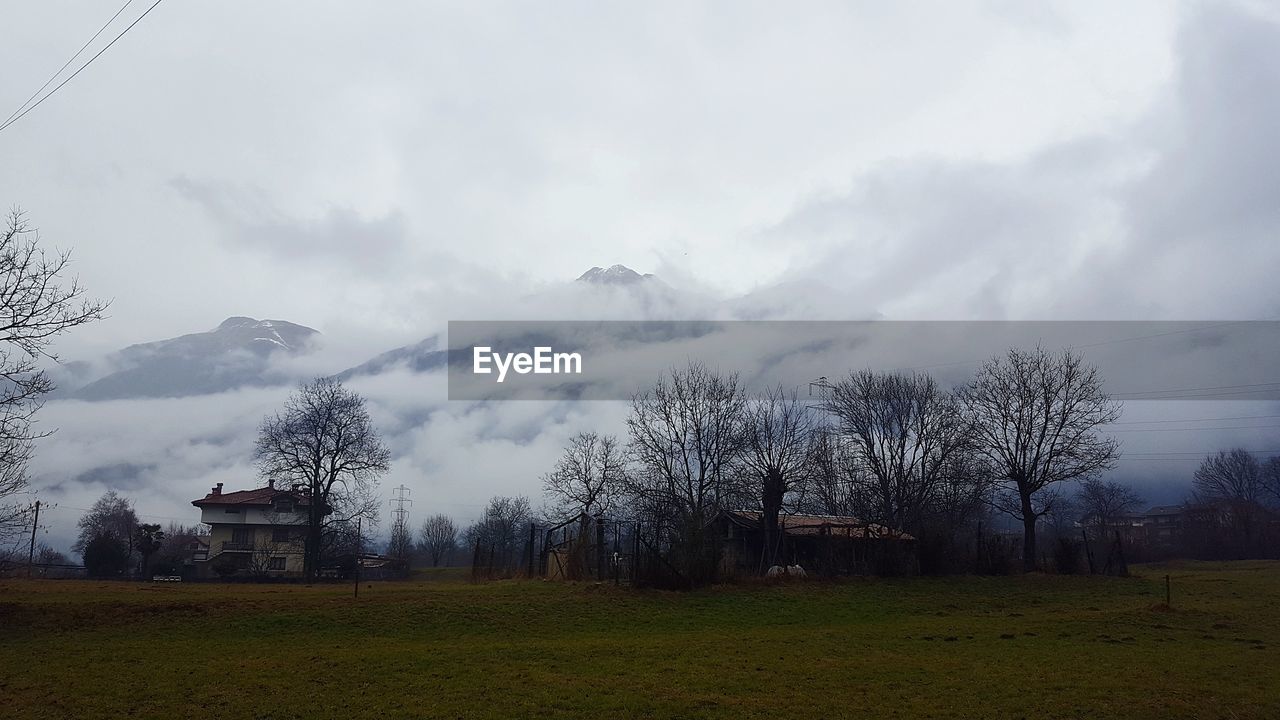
column 544, row 552
column 635, row 554
column 614, row 556
column 977, row 551
column 532, row 540
column 600, row 558
column 1124, row 565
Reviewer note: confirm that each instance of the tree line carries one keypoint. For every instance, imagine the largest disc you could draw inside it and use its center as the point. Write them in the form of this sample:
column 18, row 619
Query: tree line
column 114, row 544
column 891, row 448
column 1023, row 438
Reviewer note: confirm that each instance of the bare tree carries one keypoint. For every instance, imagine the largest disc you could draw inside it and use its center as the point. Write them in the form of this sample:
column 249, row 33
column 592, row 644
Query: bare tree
column 38, row 302
column 836, row 478
column 960, row 498
column 1036, row 416
column 1234, row 483
column 499, row 530
column 400, row 546
column 684, row 435
column 46, row 555
column 111, row 516
column 1271, row 477
column 176, row 548
column 260, row 563
column 778, row 433
column 1230, row 475
column 437, row 537
column 907, row 433
column 587, row 476
column 1061, row 516
column 325, row 442
column 1104, row 503
column 345, row 533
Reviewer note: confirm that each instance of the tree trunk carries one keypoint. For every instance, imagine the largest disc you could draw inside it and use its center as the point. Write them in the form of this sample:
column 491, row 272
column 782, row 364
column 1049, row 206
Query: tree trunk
column 772, row 505
column 1028, row 535
column 311, row 548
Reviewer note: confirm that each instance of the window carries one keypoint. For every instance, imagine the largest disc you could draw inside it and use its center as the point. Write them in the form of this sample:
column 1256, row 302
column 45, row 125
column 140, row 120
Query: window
column 275, row 563
column 242, row 536
column 233, row 511
column 284, row 506
column 280, row 535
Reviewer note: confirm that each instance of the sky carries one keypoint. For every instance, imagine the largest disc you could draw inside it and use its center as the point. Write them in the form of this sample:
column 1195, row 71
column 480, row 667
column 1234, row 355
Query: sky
column 374, row 170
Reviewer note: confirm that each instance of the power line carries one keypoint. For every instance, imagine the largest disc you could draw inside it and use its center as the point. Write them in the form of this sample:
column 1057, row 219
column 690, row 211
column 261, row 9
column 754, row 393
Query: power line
column 68, row 62
column 1195, row 429
column 1204, row 453
column 139, row 514
column 1201, row 392
column 1164, row 422
column 81, row 68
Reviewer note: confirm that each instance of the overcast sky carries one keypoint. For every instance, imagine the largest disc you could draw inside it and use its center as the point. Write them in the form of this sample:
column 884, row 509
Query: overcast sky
column 374, row 169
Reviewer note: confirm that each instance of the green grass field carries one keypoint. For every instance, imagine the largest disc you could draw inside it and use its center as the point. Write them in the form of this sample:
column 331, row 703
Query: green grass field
column 1033, row 646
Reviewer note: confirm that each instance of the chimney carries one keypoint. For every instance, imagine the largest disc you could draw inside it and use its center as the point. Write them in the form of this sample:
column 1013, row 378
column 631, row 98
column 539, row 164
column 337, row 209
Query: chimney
column 217, row 489
column 271, row 483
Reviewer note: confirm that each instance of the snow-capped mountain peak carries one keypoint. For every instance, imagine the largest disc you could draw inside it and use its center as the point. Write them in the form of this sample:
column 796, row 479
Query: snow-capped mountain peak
column 237, row 353
column 613, row 275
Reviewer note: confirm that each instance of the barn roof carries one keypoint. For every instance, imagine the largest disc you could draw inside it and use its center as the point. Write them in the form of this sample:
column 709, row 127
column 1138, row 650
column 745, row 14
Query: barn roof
column 796, row 524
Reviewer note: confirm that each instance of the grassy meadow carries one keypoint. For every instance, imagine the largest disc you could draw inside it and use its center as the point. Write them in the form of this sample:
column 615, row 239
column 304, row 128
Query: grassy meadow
column 1036, row 646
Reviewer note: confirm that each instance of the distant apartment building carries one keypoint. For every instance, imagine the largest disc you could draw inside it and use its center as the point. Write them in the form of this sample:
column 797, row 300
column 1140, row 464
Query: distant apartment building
column 258, row 532
column 1163, row 524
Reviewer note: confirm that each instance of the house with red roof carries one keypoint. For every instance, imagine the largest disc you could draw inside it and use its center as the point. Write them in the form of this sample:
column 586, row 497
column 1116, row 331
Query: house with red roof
column 254, row 533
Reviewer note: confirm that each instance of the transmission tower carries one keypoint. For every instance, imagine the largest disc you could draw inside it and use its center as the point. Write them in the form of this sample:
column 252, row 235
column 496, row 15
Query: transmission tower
column 399, row 499
column 401, row 545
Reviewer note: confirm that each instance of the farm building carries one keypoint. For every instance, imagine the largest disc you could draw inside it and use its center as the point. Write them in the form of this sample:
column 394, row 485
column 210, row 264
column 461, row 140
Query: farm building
column 821, row 544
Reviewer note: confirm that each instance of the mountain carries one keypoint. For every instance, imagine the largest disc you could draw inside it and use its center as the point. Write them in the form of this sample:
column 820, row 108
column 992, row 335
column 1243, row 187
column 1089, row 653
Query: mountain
column 613, row 293
column 614, row 275
column 241, row 351
column 237, row 353
column 419, row 357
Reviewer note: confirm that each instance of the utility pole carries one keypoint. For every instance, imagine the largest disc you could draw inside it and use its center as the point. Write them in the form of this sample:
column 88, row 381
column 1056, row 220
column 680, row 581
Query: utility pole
column 31, row 551
column 359, row 546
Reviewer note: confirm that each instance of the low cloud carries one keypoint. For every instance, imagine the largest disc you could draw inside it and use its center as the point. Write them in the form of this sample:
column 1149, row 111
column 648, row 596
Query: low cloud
column 247, row 218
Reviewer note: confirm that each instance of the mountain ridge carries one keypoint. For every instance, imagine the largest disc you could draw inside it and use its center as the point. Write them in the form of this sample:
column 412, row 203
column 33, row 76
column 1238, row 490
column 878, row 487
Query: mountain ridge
column 237, row 353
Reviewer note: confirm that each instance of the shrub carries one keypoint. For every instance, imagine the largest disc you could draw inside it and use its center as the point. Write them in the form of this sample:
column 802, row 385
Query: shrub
column 106, row 557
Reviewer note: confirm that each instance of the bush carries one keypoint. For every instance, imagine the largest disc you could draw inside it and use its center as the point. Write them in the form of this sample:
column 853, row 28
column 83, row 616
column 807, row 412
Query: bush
column 106, row 557
column 224, row 566
column 167, row 564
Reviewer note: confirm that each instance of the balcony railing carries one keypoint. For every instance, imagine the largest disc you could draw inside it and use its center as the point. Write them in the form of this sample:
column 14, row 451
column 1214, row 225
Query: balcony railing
column 230, row 545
